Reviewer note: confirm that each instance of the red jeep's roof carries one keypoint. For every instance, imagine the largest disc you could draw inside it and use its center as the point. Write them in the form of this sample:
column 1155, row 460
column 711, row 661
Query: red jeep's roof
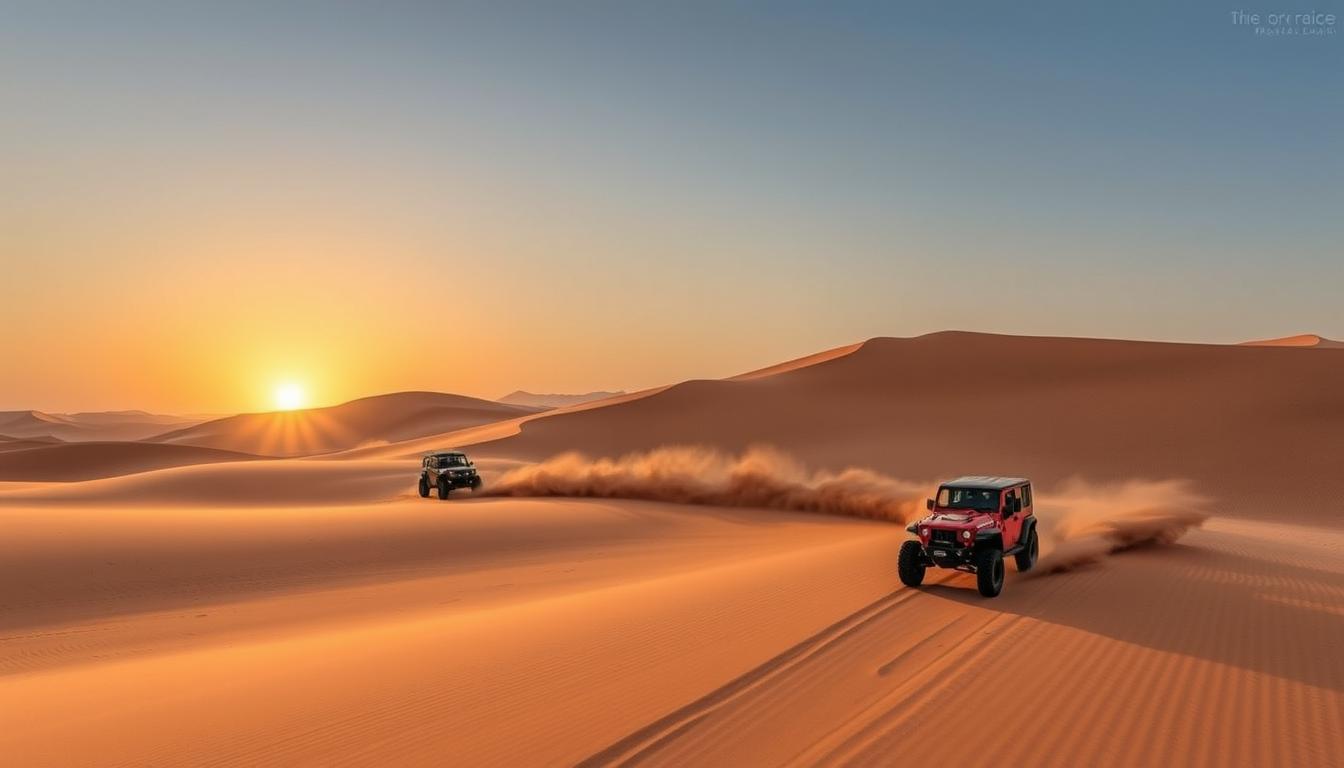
column 985, row 481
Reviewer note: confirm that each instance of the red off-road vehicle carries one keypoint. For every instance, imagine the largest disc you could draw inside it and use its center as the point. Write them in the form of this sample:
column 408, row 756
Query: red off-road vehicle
column 975, row 523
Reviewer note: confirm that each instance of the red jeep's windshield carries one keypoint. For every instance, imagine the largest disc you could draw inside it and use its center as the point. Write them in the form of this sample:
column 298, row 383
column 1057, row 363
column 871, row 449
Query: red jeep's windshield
column 968, row 498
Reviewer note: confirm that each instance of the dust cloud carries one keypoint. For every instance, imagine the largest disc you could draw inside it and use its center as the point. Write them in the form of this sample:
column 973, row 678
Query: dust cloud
column 1081, row 522
column 760, row 477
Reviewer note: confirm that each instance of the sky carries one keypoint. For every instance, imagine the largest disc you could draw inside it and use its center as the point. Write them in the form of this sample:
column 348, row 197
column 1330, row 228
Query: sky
column 201, row 203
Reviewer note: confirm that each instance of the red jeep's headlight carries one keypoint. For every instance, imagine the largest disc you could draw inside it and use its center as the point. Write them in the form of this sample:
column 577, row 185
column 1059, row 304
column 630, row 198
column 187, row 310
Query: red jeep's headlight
column 965, row 535
column 924, row 532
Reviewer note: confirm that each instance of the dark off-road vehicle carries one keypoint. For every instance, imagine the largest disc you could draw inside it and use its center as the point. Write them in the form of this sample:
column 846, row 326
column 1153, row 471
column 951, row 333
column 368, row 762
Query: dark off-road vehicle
column 975, row 523
column 445, row 471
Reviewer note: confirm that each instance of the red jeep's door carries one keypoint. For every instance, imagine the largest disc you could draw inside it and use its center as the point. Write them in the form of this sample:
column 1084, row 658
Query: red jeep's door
column 1012, row 522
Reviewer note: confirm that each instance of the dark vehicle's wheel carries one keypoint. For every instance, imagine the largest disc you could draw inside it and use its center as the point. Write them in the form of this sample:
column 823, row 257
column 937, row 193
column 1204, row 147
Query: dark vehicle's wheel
column 475, row 484
column 910, row 565
column 443, row 488
column 1027, row 557
column 424, row 487
column 989, row 572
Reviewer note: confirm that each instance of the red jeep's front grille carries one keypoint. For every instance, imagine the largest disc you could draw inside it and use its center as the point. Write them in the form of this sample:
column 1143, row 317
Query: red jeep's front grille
column 948, row 538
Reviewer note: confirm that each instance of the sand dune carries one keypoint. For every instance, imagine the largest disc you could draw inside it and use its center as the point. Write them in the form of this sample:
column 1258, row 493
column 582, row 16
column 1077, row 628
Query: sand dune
column 534, row 400
column 510, row 427
column 289, row 482
column 385, row 418
column 496, row 430
column 64, row 462
column 19, row 444
column 97, row 425
column 1300, row 340
column 1227, row 418
column 795, row 364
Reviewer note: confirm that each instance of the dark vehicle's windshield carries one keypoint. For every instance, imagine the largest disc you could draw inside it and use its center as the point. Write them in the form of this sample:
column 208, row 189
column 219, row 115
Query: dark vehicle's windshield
column 456, row 460
column 968, row 498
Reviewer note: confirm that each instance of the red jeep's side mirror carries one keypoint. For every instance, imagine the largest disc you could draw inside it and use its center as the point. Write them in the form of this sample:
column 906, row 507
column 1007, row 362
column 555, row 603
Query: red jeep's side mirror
column 928, row 504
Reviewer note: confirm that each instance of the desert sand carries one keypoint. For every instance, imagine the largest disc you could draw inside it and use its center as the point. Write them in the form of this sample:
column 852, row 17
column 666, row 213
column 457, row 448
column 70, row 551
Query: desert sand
column 704, row 601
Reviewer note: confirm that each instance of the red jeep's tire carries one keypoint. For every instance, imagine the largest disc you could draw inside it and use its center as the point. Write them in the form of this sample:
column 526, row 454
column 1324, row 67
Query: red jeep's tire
column 424, row 487
column 989, row 572
column 910, row 565
column 443, row 488
column 1026, row 559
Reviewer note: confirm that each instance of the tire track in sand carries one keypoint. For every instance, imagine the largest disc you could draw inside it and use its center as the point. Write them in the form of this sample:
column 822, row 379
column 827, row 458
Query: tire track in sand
column 646, row 740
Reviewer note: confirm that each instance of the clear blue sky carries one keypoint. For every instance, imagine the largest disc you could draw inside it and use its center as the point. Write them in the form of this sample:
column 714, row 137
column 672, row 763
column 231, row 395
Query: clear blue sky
column 651, row 191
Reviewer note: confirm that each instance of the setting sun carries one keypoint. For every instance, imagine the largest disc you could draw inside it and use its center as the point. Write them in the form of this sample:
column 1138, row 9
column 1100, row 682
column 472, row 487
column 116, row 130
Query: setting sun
column 289, row 396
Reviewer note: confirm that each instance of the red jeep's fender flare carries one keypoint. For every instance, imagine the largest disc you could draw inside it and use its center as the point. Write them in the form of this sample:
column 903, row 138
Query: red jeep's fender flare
column 989, row 533
column 1028, row 528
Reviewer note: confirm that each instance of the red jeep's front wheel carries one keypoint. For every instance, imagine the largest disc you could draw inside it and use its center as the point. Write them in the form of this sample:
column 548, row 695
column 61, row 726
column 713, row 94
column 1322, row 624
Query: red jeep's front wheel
column 989, row 572
column 910, row 565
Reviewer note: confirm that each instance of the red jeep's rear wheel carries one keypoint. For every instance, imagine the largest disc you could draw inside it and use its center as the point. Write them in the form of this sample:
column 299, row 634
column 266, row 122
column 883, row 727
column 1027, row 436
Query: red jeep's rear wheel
column 1027, row 557
column 910, row 565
